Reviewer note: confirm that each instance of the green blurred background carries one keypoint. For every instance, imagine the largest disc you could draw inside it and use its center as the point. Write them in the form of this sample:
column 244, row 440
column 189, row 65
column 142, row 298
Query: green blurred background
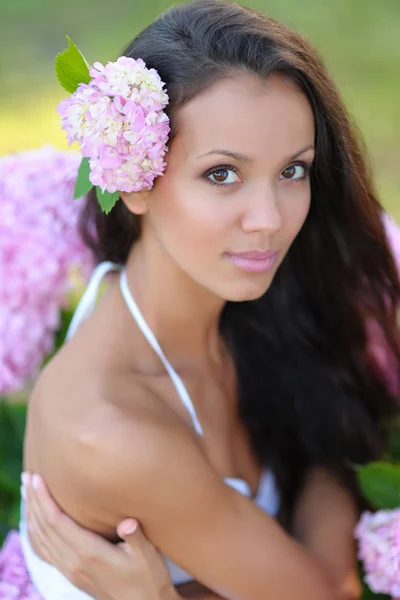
column 359, row 39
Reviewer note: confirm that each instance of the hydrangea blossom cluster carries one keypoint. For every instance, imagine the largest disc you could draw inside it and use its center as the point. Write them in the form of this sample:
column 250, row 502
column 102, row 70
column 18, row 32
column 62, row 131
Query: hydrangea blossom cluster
column 378, row 536
column 15, row 582
column 119, row 123
column 39, row 247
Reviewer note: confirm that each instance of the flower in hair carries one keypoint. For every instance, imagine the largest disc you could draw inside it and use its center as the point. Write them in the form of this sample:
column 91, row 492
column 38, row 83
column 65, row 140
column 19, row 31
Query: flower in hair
column 116, row 114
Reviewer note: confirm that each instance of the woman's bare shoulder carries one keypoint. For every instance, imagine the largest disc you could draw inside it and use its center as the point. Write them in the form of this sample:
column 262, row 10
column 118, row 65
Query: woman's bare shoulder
column 85, row 425
column 132, row 419
column 136, row 454
column 96, row 382
column 97, row 405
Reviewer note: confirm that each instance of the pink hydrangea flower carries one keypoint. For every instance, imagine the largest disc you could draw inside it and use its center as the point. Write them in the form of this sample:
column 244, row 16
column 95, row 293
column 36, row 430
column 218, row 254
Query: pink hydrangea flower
column 31, row 293
column 39, row 247
column 15, row 582
column 378, row 537
column 119, row 122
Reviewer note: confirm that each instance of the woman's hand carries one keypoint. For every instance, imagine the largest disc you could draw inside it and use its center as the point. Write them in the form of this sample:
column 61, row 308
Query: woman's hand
column 131, row 569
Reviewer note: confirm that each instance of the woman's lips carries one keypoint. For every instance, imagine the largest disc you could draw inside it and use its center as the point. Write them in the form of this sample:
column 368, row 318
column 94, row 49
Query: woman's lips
column 254, row 261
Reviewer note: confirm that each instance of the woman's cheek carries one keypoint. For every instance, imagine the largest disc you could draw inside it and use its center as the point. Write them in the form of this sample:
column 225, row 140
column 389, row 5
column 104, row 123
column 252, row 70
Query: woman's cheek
column 187, row 226
column 296, row 211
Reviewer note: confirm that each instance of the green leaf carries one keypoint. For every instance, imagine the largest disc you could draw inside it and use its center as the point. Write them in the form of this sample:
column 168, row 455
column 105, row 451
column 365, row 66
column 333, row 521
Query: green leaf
column 71, row 68
column 106, row 200
column 380, row 483
column 83, row 184
column 12, row 426
column 12, row 423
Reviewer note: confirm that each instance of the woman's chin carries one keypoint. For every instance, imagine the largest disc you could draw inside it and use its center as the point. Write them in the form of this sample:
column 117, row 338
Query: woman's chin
column 246, row 291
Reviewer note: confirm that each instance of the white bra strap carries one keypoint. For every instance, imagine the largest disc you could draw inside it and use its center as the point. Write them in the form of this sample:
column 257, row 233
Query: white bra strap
column 88, row 300
column 149, row 335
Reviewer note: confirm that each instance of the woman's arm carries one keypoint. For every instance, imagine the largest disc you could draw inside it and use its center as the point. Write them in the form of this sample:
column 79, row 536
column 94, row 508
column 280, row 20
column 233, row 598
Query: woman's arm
column 105, row 571
column 324, row 521
column 156, row 471
column 98, row 566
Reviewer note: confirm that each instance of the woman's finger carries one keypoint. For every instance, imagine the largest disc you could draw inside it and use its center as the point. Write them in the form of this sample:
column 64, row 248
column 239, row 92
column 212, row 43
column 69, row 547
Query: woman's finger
column 89, row 561
column 39, row 532
column 36, row 536
column 45, row 517
column 127, row 527
column 140, row 549
column 73, row 543
column 40, row 543
column 45, row 507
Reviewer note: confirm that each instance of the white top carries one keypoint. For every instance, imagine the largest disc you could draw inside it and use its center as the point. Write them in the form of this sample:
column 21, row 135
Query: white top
column 49, row 581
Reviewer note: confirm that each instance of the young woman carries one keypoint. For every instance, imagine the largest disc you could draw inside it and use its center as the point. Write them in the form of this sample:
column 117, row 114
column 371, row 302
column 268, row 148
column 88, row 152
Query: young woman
column 224, row 386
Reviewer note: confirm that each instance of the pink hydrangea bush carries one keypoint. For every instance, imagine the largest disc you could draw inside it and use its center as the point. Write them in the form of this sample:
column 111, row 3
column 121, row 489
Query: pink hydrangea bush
column 119, row 123
column 31, row 293
column 15, row 582
column 36, row 193
column 378, row 536
column 39, row 247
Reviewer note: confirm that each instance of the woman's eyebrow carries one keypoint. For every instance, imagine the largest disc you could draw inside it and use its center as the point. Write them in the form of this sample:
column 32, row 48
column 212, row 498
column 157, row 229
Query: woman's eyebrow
column 243, row 158
column 310, row 147
column 235, row 155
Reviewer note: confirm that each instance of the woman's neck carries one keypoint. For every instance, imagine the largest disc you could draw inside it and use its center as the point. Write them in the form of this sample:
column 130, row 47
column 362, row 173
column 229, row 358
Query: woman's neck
column 183, row 316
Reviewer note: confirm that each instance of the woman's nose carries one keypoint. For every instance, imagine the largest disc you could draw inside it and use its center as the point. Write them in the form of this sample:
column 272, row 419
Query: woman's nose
column 262, row 212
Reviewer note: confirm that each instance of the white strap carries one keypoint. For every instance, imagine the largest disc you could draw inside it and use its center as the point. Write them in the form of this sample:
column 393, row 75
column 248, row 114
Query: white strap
column 149, row 335
column 88, row 300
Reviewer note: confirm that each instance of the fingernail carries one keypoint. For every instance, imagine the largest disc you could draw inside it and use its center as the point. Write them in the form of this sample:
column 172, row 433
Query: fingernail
column 129, row 528
column 25, row 478
column 23, row 492
column 35, row 481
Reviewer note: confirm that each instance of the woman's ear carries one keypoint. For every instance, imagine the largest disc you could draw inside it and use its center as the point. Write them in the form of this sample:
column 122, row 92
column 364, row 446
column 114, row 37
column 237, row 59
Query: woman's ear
column 135, row 202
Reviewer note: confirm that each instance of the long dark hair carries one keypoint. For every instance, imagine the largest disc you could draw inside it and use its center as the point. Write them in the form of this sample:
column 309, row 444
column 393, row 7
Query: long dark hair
column 310, row 390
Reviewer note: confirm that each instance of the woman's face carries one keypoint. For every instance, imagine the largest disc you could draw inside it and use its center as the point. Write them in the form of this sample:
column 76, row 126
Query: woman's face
column 236, row 190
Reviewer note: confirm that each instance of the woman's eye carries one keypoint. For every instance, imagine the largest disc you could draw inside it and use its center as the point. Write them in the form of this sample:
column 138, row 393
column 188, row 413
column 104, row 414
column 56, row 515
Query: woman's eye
column 297, row 172
column 223, row 176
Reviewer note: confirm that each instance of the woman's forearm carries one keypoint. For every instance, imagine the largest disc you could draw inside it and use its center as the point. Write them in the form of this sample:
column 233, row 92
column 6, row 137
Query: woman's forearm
column 324, row 521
